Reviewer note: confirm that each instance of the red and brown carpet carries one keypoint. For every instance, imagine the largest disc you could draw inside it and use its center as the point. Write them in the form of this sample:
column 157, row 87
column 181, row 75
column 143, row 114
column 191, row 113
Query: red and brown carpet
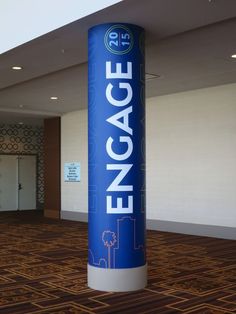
column 43, row 271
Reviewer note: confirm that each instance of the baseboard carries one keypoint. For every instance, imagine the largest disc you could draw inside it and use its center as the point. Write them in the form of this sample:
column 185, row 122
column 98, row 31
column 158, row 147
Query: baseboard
column 192, row 229
column 71, row 215
column 170, row 226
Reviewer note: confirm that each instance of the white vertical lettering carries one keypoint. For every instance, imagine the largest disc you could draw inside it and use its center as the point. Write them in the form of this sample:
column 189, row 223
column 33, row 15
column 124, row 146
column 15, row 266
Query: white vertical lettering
column 123, row 102
column 118, row 74
column 115, row 185
column 125, row 155
column 119, row 209
column 124, row 114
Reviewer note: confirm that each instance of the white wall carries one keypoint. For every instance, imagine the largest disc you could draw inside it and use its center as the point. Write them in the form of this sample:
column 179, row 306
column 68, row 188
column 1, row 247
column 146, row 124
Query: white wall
column 74, row 148
column 191, row 157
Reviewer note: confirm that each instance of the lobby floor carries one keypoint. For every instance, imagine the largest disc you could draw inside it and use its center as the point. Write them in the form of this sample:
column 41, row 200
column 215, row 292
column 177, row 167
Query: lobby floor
column 43, row 270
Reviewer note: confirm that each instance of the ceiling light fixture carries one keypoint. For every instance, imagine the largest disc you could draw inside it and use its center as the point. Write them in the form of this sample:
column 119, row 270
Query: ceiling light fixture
column 233, row 56
column 53, row 97
column 20, row 123
column 17, row 68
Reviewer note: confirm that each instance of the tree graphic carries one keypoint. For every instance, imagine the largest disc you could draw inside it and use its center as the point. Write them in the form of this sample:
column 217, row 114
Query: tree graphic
column 109, row 239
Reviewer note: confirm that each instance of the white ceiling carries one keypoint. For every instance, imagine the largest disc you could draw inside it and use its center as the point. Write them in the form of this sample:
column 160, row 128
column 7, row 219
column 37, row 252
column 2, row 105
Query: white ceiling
column 189, row 44
column 34, row 18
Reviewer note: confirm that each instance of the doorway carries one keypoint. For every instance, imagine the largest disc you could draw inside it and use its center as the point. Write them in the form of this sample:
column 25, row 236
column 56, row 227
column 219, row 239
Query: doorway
column 17, row 182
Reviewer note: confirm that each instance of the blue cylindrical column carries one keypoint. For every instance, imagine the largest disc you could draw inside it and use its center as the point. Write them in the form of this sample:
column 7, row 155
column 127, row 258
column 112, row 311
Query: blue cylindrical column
column 117, row 259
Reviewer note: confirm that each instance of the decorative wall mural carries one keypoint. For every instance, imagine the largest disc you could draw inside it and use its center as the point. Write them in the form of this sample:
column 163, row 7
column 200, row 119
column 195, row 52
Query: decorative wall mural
column 25, row 139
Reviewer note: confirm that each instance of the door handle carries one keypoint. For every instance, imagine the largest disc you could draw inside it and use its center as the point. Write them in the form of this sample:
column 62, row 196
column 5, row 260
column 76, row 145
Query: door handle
column 20, row 187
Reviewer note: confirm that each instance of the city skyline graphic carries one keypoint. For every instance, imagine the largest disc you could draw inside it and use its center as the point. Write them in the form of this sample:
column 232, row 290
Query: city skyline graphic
column 122, row 248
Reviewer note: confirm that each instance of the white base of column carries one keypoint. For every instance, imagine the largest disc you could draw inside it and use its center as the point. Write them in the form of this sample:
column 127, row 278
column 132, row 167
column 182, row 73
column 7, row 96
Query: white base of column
column 117, row 280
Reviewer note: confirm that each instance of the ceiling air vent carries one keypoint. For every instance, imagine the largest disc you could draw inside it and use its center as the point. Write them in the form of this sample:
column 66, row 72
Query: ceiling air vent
column 150, row 76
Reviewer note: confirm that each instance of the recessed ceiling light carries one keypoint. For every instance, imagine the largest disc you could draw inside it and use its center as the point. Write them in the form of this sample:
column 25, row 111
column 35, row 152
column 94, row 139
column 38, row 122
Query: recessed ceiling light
column 233, row 56
column 54, row 97
column 17, row 68
column 21, row 106
column 20, row 123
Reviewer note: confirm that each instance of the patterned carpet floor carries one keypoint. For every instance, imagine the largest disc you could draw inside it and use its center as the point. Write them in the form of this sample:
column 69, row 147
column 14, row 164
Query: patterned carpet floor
column 43, row 271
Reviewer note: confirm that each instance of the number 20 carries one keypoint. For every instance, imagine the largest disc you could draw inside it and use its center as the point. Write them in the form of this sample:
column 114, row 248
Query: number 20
column 114, row 41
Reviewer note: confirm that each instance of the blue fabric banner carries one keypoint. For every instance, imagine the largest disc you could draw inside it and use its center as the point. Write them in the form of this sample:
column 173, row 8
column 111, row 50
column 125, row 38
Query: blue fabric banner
column 116, row 146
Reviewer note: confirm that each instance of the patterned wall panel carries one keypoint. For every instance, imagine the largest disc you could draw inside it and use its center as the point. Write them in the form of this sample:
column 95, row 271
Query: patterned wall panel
column 25, row 139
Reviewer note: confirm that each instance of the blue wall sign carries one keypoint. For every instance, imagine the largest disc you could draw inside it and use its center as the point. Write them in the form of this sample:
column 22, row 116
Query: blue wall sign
column 116, row 146
column 72, row 172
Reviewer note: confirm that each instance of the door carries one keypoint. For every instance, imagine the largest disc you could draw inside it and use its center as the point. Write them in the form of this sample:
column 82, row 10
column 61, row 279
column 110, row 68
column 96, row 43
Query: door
column 27, row 182
column 17, row 182
column 8, row 182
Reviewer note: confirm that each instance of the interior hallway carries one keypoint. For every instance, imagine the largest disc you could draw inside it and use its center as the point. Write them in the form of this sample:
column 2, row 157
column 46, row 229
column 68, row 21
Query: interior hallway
column 43, row 270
